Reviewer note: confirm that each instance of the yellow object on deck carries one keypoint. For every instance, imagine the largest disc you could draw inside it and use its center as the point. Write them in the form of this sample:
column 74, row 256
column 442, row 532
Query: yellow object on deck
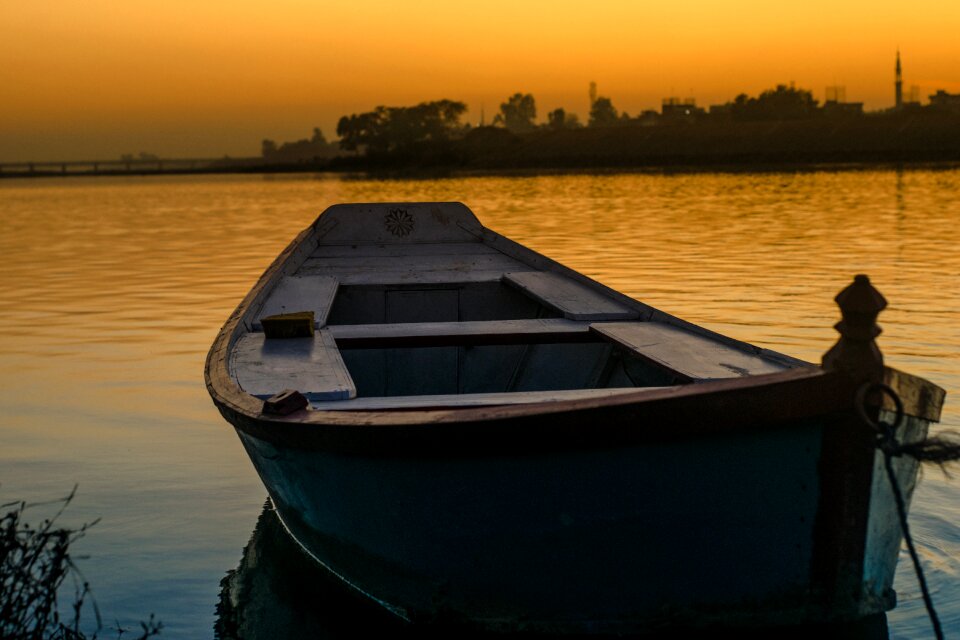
column 288, row 325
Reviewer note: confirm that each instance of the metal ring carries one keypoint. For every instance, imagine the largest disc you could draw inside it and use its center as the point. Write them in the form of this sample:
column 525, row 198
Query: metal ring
column 860, row 404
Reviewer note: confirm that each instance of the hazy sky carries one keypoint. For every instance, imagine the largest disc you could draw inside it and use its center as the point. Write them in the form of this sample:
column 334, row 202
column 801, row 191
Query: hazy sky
column 92, row 79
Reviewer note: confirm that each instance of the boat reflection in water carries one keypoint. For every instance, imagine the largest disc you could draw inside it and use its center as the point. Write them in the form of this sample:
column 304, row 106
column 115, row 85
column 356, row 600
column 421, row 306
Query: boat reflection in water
column 278, row 591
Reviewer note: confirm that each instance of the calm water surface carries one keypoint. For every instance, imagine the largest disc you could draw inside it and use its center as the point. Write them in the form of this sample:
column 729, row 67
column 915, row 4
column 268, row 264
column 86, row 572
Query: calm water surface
column 113, row 289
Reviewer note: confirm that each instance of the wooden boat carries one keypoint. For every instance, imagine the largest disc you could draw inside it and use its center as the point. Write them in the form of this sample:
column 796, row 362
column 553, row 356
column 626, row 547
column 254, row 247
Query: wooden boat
column 469, row 433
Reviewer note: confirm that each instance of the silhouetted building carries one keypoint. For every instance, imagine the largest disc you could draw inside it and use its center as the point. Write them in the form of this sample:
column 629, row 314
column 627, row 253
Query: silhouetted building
column 836, row 105
column 833, row 109
column 912, row 98
column 898, row 84
column 836, row 93
column 721, row 110
column 648, row 118
column 680, row 109
column 943, row 101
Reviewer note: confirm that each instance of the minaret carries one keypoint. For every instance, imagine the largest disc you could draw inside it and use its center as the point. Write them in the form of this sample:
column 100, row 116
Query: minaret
column 898, row 85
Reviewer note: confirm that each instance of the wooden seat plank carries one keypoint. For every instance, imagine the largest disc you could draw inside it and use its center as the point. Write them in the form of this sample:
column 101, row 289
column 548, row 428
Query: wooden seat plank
column 695, row 356
column 412, row 250
column 573, row 299
column 418, row 277
column 463, row 261
column 472, row 399
column 300, row 293
column 439, row 333
column 312, row 366
column 466, row 266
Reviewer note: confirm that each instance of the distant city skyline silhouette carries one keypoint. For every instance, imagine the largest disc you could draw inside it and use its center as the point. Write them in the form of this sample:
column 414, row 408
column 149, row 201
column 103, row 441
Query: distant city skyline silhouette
column 518, row 114
column 91, row 80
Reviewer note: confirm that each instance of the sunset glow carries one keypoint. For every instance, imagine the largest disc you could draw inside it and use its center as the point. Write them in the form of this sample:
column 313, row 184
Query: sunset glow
column 86, row 80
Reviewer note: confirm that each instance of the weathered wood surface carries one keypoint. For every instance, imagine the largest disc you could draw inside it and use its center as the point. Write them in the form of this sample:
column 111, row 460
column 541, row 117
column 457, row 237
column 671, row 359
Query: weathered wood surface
column 300, row 293
column 543, row 263
column 312, row 366
column 573, row 299
column 440, row 333
column 419, row 277
column 694, row 356
column 221, row 385
column 921, row 398
column 645, row 416
column 472, row 399
column 398, row 223
column 412, row 250
column 378, row 267
column 289, row 325
column 849, row 455
column 543, row 367
column 790, row 395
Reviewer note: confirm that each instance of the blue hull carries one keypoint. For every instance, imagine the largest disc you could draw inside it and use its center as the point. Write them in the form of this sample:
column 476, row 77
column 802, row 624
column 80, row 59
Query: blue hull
column 713, row 531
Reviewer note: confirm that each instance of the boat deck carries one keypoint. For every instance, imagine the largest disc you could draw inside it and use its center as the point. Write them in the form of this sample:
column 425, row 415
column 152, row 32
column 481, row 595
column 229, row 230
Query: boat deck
column 411, row 307
column 462, row 317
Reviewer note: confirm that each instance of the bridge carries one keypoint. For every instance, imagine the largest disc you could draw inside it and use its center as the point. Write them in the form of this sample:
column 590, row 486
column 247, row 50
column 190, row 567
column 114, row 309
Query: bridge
column 131, row 166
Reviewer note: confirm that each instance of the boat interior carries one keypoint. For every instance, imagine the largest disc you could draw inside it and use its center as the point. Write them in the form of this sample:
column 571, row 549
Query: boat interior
column 462, row 317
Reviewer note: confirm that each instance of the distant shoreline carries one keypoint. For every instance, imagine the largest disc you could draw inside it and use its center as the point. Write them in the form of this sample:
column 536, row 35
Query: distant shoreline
column 421, row 173
column 924, row 140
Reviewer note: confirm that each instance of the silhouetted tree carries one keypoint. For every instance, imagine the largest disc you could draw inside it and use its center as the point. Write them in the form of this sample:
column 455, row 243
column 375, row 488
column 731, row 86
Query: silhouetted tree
column 517, row 113
column 781, row 103
column 392, row 128
column 304, row 150
column 602, row 113
column 363, row 130
column 560, row 119
column 556, row 118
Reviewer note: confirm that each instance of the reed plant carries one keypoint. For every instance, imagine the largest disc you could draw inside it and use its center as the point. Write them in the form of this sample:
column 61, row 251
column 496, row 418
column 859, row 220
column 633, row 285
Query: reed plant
column 35, row 562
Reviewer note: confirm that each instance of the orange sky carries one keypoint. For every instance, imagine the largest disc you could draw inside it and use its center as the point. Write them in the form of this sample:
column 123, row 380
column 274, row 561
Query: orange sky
column 85, row 79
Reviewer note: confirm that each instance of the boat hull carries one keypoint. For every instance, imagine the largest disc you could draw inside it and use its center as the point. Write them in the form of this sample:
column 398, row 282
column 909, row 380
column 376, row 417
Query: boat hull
column 715, row 530
column 695, row 480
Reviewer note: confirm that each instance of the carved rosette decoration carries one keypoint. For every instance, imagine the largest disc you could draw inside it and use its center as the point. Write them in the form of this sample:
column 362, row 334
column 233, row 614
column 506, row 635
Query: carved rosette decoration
column 399, row 222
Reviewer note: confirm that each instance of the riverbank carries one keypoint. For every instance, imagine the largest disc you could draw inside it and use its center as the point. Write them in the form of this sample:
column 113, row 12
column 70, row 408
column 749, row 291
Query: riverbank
column 914, row 140
column 431, row 173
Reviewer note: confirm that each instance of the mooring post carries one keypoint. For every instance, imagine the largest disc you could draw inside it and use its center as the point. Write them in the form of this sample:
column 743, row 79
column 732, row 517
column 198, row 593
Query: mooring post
column 856, row 352
column 848, row 451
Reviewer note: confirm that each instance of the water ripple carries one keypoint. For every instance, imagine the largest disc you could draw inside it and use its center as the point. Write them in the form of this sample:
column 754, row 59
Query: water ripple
column 113, row 290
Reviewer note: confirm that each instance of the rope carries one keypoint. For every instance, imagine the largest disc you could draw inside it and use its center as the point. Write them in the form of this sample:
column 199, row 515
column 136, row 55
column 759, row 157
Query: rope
column 939, row 450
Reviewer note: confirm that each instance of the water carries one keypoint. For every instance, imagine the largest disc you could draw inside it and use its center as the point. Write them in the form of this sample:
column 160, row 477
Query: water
column 113, row 290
